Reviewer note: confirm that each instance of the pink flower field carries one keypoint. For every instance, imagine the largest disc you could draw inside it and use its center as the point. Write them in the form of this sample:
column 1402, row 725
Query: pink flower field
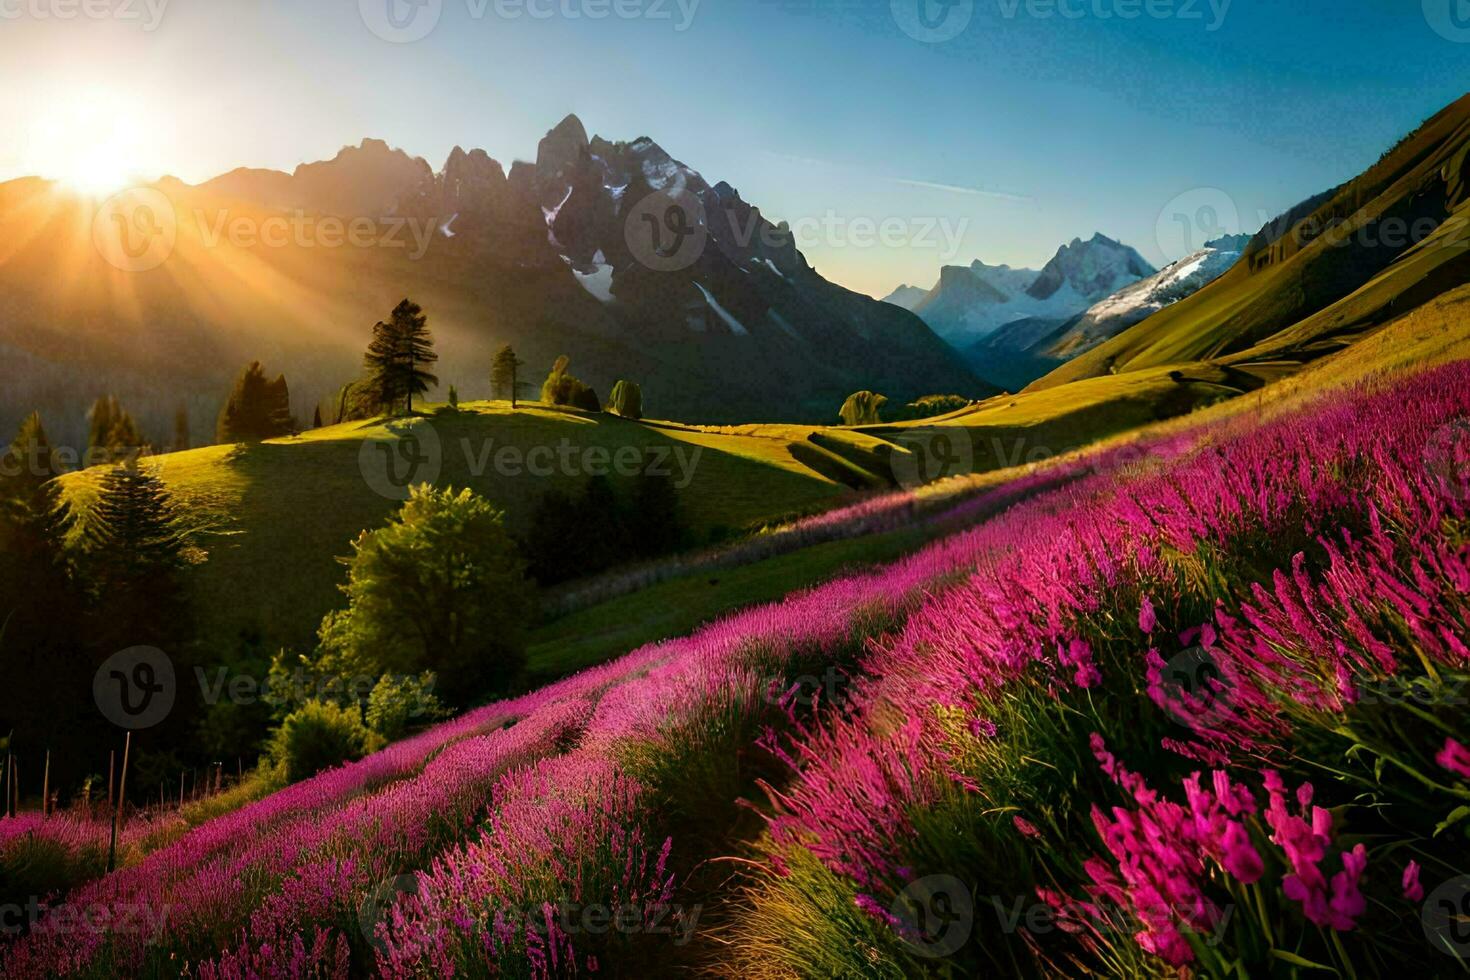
column 1190, row 706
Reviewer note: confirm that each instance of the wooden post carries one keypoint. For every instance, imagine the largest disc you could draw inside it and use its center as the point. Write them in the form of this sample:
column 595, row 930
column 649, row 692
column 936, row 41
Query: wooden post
column 46, row 788
column 122, row 791
column 111, row 763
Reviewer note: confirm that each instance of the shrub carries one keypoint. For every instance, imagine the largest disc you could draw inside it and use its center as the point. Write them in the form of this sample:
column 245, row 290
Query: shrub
column 929, row 406
column 561, row 388
column 861, row 408
column 320, row 735
column 400, row 704
column 626, row 400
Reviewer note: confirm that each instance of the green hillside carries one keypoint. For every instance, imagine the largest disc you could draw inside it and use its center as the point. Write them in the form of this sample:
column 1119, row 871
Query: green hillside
column 1325, row 273
column 270, row 519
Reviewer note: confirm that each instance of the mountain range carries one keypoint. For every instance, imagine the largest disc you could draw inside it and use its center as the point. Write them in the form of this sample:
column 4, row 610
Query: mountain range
column 1021, row 352
column 971, row 302
column 1328, row 272
column 569, row 255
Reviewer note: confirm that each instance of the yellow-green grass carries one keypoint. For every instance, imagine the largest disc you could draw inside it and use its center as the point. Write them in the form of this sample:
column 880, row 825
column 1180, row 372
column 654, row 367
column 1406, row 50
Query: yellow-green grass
column 1012, row 430
column 271, row 519
column 678, row 606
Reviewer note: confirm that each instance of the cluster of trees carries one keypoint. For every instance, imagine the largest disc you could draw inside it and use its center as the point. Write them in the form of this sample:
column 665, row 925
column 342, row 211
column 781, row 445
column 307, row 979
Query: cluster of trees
column 576, row 535
column 437, row 601
column 864, row 408
column 258, row 408
column 561, row 388
column 78, row 582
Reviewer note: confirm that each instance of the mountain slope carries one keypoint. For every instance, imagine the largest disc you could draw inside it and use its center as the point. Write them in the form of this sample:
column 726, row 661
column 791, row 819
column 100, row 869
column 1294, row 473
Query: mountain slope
column 1331, row 269
column 546, row 256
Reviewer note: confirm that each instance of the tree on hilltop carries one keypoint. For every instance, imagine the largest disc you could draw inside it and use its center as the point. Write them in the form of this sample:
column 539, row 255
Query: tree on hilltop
column 396, row 357
column 505, row 374
column 861, row 408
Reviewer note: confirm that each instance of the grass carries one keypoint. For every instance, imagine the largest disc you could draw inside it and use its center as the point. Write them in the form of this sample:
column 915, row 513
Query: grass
column 677, row 607
column 271, row 519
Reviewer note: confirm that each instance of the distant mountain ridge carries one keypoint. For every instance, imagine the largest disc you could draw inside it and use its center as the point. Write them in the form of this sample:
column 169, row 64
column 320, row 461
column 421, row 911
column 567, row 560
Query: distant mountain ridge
column 971, row 302
column 546, row 256
column 1020, row 352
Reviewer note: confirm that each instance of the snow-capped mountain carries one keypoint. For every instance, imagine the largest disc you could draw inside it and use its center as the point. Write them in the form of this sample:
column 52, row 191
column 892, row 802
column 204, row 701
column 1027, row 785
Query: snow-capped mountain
column 1024, row 350
column 1134, row 303
column 970, row 303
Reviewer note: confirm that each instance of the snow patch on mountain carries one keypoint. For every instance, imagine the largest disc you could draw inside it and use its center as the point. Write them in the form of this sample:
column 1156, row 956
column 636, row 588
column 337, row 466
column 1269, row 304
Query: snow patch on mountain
column 736, row 327
column 1134, row 303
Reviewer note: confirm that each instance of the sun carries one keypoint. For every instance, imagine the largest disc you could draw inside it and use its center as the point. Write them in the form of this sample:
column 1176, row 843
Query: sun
column 94, row 143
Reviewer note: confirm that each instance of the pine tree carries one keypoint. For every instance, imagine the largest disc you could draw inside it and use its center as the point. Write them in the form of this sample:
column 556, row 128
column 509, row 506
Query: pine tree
column 395, row 354
column 40, row 611
column 316, row 418
column 28, row 464
column 112, row 433
column 256, row 409
column 505, row 374
column 130, row 538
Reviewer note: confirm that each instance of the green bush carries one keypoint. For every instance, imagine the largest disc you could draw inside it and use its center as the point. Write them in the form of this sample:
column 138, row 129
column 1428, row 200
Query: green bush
column 442, row 588
column 561, row 388
column 320, row 735
column 861, row 408
column 929, row 406
column 399, row 704
column 626, row 400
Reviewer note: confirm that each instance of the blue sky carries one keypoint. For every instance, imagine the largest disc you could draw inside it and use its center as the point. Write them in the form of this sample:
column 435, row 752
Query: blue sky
column 1032, row 125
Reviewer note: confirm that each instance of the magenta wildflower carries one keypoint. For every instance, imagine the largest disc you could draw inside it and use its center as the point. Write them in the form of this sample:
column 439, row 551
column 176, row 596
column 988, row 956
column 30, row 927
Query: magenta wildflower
column 1147, row 620
column 1455, row 757
column 1412, row 889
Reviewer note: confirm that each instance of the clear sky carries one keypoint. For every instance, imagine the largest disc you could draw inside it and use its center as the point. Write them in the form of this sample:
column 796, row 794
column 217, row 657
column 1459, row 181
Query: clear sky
column 1037, row 122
